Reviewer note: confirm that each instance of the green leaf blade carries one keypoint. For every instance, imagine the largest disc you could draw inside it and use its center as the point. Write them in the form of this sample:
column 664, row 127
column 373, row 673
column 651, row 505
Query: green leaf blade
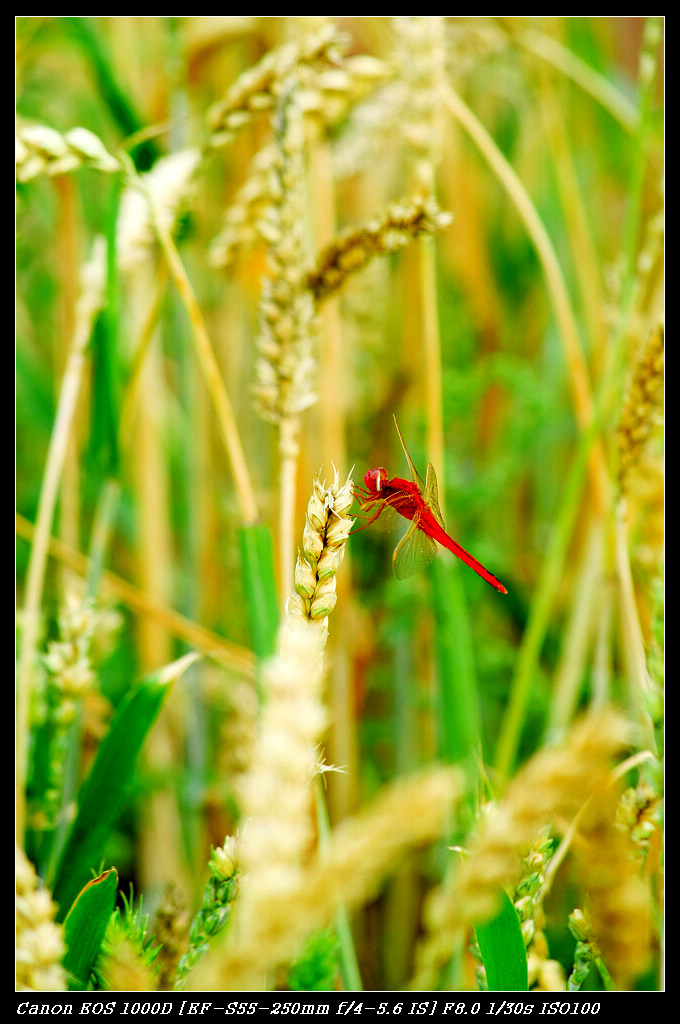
column 85, row 926
column 504, row 954
column 106, row 789
column 259, row 581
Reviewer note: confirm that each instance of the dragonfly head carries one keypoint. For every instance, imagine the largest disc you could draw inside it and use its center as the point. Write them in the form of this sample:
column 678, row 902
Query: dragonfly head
column 376, row 479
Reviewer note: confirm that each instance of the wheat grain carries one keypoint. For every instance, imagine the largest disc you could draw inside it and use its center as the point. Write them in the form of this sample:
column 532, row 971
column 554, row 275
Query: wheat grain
column 40, row 149
column 285, row 370
column 359, row 853
column 39, row 942
column 552, row 787
column 421, row 61
column 388, row 231
column 255, row 90
column 641, row 406
column 617, row 906
column 326, row 530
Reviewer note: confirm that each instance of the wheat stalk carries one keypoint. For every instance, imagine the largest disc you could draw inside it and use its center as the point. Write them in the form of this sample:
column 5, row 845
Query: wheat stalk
column 275, row 795
column 89, row 303
column 326, row 530
column 285, row 369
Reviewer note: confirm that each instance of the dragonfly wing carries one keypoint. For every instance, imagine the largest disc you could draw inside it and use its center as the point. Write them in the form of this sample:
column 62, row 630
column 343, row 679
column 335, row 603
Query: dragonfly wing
column 413, row 553
column 431, row 495
column 414, row 473
column 389, row 518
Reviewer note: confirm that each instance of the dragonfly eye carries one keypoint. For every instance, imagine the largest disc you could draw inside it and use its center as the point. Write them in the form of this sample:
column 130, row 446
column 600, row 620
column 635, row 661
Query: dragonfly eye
column 375, row 478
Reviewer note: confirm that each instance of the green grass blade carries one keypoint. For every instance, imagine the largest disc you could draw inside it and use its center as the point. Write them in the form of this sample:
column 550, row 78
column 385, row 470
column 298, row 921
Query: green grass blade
column 119, row 105
column 105, row 790
column 259, row 581
column 504, row 954
column 103, row 448
column 458, row 705
column 85, row 926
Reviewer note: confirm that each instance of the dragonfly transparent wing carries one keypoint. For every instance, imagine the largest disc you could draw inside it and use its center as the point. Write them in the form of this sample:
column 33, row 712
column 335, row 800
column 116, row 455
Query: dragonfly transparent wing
column 413, row 553
column 389, row 517
column 414, row 472
column 432, row 495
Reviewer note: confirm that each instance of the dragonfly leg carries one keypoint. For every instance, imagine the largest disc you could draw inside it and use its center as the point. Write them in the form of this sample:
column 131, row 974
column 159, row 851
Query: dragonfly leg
column 367, row 520
column 361, row 493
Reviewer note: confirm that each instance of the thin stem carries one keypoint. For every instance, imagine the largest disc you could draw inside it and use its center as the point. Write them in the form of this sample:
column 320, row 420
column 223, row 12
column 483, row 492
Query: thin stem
column 561, row 58
column 579, row 634
column 349, row 967
column 288, row 456
column 145, row 337
column 557, row 289
column 633, row 645
column 586, row 268
column 236, row 658
column 431, row 342
column 49, row 491
column 211, row 375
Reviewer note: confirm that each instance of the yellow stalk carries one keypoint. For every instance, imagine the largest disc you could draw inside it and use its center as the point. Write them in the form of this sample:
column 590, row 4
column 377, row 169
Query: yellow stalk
column 236, row 658
column 564, row 314
column 212, row 377
column 89, row 304
column 633, row 644
column 561, row 58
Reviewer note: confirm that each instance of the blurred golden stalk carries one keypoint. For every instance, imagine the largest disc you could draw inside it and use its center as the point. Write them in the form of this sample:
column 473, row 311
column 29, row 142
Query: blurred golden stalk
column 641, row 406
column 236, row 658
column 89, row 303
column 39, row 943
column 211, row 374
column 551, row 788
column 275, row 792
column 575, row 361
column 565, row 61
column 358, row 855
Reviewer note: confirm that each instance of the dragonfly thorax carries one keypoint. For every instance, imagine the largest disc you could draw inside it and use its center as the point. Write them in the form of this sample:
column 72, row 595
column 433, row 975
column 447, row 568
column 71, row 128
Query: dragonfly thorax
column 376, row 479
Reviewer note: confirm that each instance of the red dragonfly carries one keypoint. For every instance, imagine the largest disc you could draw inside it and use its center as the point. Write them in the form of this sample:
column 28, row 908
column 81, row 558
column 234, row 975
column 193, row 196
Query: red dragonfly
column 392, row 501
